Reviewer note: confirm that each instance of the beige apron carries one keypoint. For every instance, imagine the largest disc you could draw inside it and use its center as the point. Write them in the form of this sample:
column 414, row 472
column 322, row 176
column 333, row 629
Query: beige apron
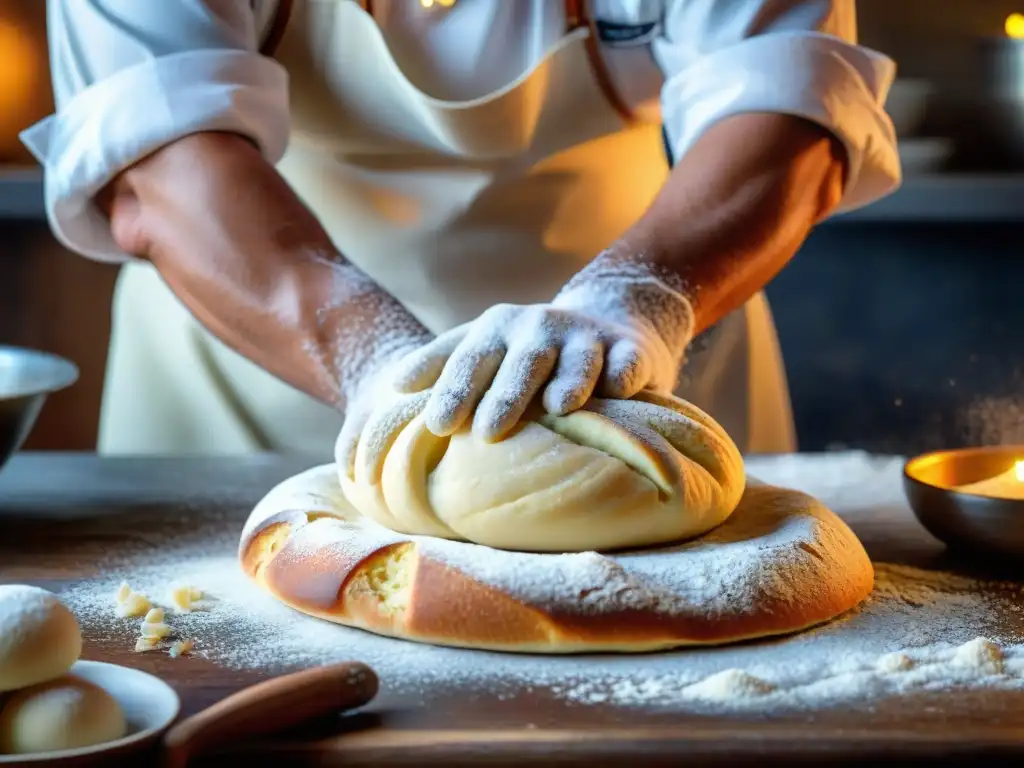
column 451, row 207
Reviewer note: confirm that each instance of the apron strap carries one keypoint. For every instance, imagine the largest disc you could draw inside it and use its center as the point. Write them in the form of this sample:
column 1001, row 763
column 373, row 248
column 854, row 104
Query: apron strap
column 577, row 15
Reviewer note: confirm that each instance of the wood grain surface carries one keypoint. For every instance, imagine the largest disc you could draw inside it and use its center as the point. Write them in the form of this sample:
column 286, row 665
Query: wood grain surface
column 57, row 509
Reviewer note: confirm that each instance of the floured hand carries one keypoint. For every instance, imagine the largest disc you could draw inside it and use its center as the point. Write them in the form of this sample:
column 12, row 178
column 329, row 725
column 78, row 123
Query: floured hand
column 375, row 415
column 614, row 330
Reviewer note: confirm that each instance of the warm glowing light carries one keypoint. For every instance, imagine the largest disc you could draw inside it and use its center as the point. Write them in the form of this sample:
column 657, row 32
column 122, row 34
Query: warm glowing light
column 22, row 83
column 1014, row 25
column 432, row 3
column 17, row 67
column 1008, row 485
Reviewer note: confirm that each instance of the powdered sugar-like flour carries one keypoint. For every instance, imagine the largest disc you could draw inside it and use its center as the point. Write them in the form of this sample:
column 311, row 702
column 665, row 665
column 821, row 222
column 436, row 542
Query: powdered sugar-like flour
column 921, row 631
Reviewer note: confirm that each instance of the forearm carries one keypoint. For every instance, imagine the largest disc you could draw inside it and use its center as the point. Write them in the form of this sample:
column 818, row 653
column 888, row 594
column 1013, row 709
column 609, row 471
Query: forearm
column 254, row 266
column 737, row 207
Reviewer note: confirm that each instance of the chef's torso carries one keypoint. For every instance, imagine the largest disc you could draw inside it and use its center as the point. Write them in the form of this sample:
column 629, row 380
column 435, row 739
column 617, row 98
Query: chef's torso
column 454, row 193
column 456, row 201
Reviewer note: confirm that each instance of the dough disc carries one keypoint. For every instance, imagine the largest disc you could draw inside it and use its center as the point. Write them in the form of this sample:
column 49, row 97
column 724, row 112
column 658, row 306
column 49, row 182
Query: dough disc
column 780, row 562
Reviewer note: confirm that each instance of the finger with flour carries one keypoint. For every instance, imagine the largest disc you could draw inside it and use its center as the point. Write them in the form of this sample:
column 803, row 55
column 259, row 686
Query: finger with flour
column 625, row 370
column 576, row 375
column 522, row 375
column 464, row 380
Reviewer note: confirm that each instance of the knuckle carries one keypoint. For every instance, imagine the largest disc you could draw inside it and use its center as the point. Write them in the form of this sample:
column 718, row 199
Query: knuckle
column 501, row 313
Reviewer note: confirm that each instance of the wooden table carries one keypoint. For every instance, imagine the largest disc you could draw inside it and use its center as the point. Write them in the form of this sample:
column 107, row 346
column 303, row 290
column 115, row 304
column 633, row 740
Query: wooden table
column 57, row 508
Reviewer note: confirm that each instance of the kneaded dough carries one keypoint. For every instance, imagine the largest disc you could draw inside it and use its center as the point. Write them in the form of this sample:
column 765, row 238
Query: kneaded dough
column 61, row 714
column 617, row 474
column 39, row 637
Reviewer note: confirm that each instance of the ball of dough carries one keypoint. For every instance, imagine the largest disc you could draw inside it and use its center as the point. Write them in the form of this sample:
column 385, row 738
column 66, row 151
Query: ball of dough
column 617, row 474
column 39, row 637
column 62, row 714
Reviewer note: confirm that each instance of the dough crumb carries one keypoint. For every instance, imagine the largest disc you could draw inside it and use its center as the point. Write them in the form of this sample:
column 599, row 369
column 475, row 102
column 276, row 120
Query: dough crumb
column 891, row 663
column 730, row 684
column 130, row 603
column 153, row 626
column 980, row 654
column 180, row 648
column 155, row 630
column 143, row 644
column 183, row 598
column 155, row 616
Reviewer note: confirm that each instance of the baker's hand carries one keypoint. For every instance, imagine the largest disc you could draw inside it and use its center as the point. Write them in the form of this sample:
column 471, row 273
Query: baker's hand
column 615, row 329
column 374, row 417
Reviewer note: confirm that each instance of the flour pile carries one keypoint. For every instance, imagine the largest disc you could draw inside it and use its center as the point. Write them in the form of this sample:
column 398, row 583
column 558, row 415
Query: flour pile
column 919, row 632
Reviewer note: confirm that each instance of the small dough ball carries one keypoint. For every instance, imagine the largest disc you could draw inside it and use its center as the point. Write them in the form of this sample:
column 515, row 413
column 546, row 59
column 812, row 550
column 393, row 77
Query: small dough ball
column 39, row 637
column 62, row 714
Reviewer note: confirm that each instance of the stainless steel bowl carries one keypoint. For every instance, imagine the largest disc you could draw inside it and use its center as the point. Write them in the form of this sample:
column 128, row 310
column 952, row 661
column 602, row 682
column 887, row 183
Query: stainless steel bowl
column 27, row 377
column 965, row 521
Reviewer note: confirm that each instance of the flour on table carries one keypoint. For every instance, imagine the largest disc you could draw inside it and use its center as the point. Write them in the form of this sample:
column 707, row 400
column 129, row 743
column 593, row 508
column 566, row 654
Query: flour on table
column 918, row 632
column 894, row 662
column 730, row 684
column 981, row 655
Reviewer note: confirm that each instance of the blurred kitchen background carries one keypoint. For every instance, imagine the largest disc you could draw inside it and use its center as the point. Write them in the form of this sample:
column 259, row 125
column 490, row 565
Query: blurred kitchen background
column 902, row 324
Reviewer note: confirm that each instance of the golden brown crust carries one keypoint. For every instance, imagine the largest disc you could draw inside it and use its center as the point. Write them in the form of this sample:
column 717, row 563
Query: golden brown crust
column 781, row 563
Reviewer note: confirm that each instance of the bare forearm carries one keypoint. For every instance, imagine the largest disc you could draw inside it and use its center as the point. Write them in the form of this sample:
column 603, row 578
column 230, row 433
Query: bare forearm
column 737, row 207
column 250, row 261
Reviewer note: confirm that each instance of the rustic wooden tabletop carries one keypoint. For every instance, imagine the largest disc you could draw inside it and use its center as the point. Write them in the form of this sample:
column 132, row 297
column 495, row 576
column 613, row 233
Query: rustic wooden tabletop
column 58, row 511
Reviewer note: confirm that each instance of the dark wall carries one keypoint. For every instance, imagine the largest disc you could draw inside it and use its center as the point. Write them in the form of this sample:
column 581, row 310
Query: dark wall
column 905, row 337
column 933, row 39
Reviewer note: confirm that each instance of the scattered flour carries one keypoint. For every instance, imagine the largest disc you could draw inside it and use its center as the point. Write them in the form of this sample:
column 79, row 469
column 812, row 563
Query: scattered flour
column 729, row 685
column 980, row 655
column 894, row 662
column 919, row 632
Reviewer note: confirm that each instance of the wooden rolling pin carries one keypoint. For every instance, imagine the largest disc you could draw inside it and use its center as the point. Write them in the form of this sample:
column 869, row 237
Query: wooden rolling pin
column 271, row 706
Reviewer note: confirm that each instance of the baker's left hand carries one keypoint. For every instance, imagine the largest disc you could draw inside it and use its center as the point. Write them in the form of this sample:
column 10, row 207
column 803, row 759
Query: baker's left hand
column 615, row 329
column 374, row 417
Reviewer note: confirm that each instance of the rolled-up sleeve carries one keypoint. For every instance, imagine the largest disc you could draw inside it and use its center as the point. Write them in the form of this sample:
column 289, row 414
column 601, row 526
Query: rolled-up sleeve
column 131, row 76
column 797, row 57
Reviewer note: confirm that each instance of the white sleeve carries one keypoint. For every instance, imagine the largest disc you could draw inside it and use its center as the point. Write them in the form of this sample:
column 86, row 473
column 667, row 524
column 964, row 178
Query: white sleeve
column 797, row 57
column 130, row 76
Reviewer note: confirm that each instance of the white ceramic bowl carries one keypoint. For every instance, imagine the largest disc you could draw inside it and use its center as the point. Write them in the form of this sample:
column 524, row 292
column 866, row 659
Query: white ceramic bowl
column 149, row 704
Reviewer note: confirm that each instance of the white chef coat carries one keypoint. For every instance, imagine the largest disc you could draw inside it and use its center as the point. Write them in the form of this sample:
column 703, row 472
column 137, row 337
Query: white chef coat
column 130, row 78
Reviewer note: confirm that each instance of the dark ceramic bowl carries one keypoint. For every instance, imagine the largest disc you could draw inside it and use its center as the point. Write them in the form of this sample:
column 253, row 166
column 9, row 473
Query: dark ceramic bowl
column 966, row 521
column 27, row 377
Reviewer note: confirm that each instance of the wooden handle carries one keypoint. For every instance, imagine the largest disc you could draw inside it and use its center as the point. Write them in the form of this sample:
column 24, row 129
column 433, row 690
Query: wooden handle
column 271, row 706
